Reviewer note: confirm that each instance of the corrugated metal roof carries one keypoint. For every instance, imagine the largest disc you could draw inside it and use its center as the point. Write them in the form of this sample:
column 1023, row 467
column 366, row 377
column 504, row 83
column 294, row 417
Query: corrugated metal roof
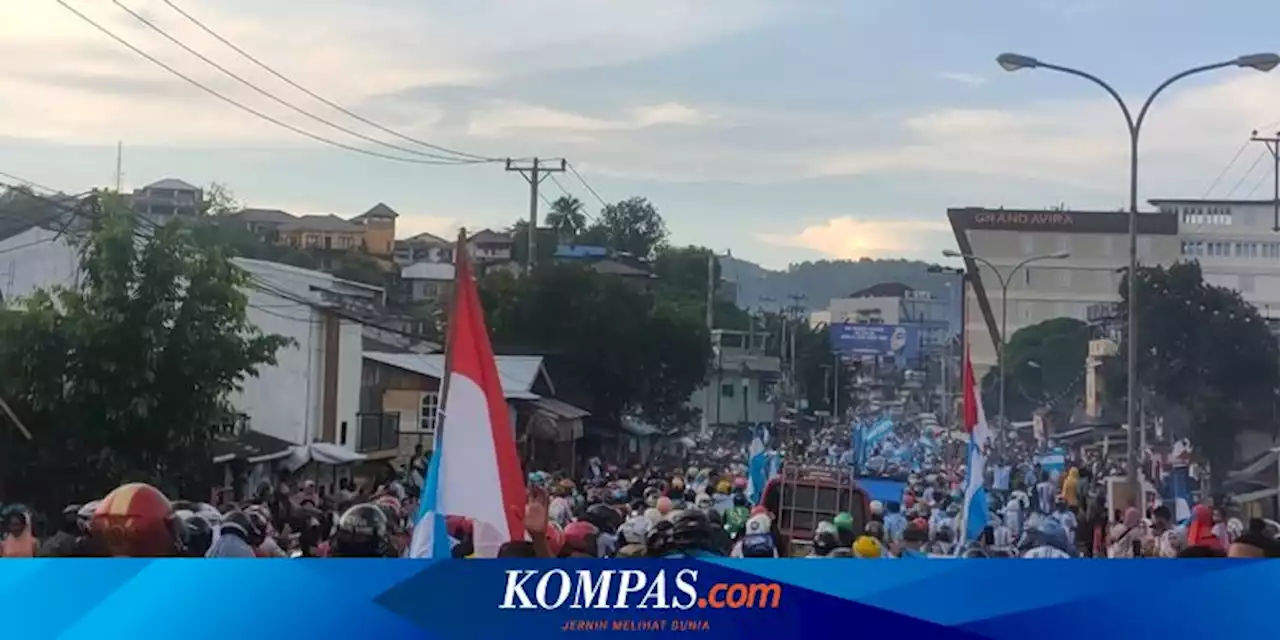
column 518, row 373
column 562, row 410
column 328, row 222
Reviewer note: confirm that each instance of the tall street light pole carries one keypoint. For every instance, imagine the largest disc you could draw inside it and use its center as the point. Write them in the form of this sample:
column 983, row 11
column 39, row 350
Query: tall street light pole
column 1005, row 279
column 1014, row 62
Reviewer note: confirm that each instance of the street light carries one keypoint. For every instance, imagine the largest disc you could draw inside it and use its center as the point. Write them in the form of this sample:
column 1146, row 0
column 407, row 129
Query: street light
column 1013, row 62
column 1005, row 280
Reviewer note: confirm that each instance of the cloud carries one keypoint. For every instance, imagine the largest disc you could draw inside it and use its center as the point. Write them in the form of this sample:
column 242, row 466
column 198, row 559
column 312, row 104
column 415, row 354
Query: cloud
column 1080, row 143
column 91, row 89
column 963, row 78
column 850, row 238
column 508, row 119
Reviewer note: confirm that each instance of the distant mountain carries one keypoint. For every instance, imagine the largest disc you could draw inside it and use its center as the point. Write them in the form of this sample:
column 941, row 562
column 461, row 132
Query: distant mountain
column 823, row 280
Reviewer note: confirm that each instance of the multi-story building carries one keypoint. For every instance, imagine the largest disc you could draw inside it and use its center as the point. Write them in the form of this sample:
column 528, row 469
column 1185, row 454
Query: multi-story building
column 1236, row 245
column 167, row 199
column 490, row 246
column 424, row 247
column 742, row 380
column 374, row 230
column 1096, row 247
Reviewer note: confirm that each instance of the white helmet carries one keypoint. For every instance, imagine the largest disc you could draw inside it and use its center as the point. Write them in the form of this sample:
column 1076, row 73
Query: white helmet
column 877, row 508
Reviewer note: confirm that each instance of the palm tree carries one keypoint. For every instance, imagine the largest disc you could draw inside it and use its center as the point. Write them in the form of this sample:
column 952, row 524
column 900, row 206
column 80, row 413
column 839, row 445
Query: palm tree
column 567, row 218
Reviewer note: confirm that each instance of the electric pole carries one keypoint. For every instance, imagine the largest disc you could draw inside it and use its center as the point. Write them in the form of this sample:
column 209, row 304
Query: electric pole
column 711, row 325
column 1273, row 146
column 119, row 166
column 535, row 171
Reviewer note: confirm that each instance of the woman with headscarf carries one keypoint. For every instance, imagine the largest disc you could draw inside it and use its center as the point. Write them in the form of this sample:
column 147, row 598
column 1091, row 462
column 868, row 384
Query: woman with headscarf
column 18, row 541
column 1200, row 531
column 1071, row 488
column 1127, row 536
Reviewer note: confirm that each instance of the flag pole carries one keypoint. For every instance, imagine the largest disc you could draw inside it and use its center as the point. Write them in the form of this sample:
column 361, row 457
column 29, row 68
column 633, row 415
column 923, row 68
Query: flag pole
column 8, row 411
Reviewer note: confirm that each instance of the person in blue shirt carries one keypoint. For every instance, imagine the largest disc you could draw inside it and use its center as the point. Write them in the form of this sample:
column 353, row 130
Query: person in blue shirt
column 894, row 522
column 914, row 539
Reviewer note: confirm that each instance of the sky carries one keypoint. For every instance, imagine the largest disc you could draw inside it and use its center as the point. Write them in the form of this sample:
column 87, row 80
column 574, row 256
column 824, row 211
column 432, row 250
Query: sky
column 779, row 130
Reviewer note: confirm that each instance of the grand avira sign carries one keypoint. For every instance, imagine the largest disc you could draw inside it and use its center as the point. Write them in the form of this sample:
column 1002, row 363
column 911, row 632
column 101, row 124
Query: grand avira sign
column 1061, row 221
column 1024, row 219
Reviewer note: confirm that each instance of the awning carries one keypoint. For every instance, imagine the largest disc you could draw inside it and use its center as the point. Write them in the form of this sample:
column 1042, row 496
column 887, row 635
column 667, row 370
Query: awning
column 323, row 453
column 250, row 446
column 555, row 420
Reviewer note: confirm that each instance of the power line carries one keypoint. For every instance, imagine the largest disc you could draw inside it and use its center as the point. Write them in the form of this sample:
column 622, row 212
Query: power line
column 274, row 98
column 577, row 175
column 1225, row 169
column 283, row 78
column 1246, row 175
column 250, row 110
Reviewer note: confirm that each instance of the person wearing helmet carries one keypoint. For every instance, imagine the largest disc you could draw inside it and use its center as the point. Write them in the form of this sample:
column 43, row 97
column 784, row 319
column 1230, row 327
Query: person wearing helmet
column 580, row 540
column 606, row 520
column 235, row 537
column 686, row 534
column 867, row 547
column 758, row 539
column 136, row 521
column 877, row 510
column 825, row 540
column 197, row 534
column 735, row 520
column 362, row 533
column 845, row 528
column 66, row 542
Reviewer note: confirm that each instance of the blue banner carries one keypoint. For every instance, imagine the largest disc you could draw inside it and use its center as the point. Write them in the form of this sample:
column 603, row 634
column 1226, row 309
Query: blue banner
column 719, row 597
column 881, row 340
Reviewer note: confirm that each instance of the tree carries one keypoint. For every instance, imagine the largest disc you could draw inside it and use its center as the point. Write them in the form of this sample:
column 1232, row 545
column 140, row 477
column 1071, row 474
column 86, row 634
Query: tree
column 620, row 350
column 820, row 377
column 545, row 247
column 1046, row 369
column 122, row 376
column 682, row 282
column 1207, row 350
column 566, row 218
column 219, row 200
column 633, row 226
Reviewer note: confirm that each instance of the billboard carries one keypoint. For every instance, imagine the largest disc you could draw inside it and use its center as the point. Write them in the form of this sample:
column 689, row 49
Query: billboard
column 896, row 340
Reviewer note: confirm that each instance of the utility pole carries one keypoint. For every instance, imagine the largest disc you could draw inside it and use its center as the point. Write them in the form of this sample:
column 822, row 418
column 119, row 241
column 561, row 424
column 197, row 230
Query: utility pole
column 534, row 171
column 1273, row 146
column 119, row 166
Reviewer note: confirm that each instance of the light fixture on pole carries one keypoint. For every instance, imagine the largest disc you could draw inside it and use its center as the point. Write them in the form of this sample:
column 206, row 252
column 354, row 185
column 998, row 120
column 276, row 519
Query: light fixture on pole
column 1014, row 62
column 1005, row 279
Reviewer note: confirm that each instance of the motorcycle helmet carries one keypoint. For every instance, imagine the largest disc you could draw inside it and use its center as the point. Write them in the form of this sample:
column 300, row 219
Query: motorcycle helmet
column 604, row 517
column 362, row 533
column 136, row 521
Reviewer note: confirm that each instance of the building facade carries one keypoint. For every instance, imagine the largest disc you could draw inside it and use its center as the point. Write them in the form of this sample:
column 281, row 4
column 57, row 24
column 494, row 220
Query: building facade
column 168, row 199
column 1236, row 245
column 1097, row 249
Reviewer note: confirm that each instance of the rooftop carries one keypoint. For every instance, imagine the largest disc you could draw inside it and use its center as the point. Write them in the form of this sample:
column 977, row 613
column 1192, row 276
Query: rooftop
column 172, row 183
column 517, row 373
column 380, row 210
column 428, row 271
column 318, row 222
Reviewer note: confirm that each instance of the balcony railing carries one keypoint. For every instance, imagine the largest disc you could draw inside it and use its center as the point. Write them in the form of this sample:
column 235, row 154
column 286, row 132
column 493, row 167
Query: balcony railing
column 378, row 432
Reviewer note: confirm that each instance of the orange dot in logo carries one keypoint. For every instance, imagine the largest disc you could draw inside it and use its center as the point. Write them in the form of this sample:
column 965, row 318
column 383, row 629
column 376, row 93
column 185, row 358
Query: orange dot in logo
column 702, row 603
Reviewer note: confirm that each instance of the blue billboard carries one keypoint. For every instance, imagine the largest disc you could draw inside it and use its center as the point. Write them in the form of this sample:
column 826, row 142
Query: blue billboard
column 899, row 341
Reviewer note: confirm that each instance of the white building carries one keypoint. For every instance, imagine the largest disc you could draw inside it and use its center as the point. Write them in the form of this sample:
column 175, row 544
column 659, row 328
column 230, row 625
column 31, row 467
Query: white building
column 168, row 199
column 1236, row 246
column 1096, row 244
column 742, row 380
column 428, row 280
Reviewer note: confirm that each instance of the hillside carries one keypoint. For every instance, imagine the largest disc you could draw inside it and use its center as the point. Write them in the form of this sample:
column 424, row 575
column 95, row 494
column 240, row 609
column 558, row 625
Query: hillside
column 826, row 279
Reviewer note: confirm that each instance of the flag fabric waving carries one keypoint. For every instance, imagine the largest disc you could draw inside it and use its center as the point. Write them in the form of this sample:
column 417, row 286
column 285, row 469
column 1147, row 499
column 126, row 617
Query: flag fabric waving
column 475, row 470
column 975, row 512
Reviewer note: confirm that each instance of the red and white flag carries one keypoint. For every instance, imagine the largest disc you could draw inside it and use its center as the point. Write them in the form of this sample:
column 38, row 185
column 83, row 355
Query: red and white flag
column 479, row 474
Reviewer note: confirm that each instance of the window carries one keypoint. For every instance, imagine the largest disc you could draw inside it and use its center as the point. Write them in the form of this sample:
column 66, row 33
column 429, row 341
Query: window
column 345, row 242
column 312, row 240
column 726, row 390
column 430, row 411
column 342, row 434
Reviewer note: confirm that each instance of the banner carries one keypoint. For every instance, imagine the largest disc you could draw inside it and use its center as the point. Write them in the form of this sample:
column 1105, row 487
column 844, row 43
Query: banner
column 716, row 598
column 881, row 340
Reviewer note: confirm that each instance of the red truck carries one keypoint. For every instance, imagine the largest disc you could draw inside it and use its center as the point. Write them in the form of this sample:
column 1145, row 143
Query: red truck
column 801, row 496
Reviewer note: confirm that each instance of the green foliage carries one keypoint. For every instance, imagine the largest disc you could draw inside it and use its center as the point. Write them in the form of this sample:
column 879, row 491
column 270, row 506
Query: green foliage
column 567, row 218
column 121, row 377
column 817, row 369
column 1046, row 368
column 620, row 349
column 235, row 239
column 682, row 283
column 219, row 200
column 1206, row 349
column 633, row 226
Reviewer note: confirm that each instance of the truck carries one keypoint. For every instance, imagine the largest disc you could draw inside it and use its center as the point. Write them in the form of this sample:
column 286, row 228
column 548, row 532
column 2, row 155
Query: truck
column 801, row 496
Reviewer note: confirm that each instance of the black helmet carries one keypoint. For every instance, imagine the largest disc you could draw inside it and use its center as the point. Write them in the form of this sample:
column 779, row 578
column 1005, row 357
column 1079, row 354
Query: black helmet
column 362, row 533
column 683, row 531
column 70, row 522
column 826, row 542
column 197, row 533
column 604, row 517
column 236, row 522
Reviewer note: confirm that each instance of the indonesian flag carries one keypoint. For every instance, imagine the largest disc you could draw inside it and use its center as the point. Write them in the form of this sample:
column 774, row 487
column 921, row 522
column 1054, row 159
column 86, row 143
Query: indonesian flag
column 475, row 470
column 980, row 442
